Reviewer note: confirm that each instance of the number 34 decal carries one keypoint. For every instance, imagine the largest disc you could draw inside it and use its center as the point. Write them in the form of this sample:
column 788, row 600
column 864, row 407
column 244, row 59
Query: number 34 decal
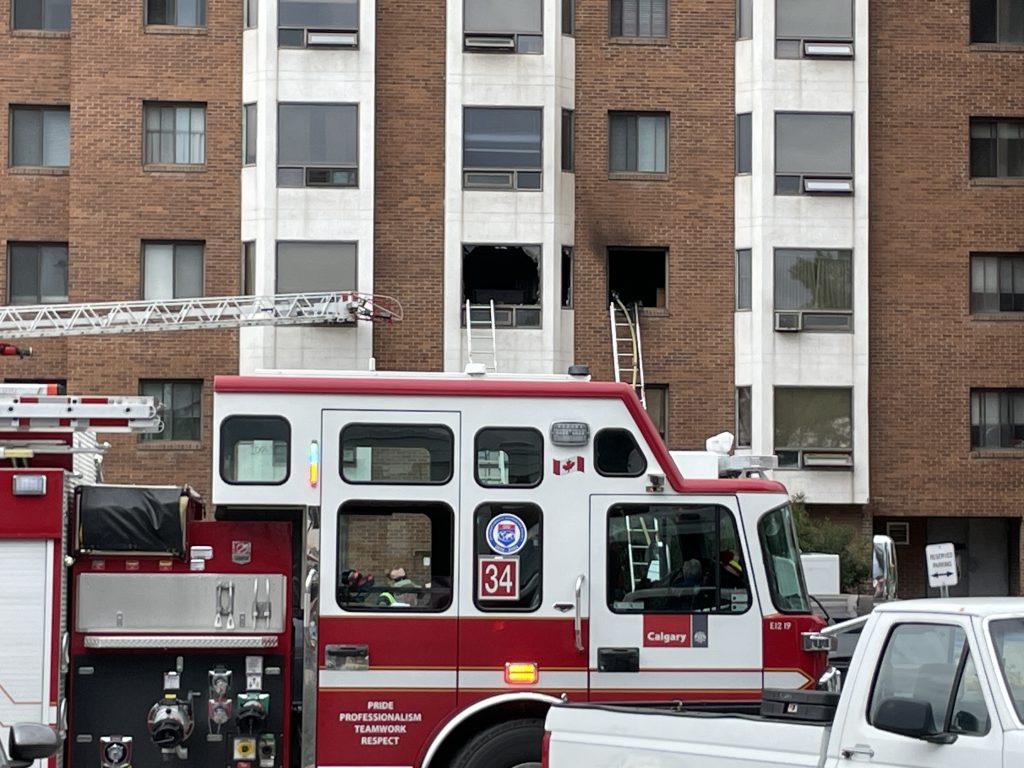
column 497, row 578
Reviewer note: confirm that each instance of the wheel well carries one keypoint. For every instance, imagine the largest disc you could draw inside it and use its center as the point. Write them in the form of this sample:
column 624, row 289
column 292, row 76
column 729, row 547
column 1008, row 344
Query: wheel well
column 481, row 721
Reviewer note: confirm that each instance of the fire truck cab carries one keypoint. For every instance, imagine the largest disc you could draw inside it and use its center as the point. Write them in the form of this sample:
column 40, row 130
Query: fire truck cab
column 479, row 547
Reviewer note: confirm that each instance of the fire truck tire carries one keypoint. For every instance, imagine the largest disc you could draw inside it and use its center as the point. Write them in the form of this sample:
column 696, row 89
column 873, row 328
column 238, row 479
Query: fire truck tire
column 515, row 744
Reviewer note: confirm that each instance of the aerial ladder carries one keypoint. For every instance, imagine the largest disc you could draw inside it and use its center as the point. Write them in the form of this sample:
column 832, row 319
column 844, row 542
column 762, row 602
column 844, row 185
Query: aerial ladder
column 59, row 320
column 481, row 336
column 627, row 351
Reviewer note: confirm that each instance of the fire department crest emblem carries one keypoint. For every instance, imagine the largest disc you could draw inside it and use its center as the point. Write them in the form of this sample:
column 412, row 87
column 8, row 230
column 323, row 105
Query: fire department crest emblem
column 506, row 534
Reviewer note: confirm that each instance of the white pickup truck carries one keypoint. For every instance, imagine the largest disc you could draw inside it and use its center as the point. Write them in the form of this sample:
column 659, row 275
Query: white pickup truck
column 932, row 684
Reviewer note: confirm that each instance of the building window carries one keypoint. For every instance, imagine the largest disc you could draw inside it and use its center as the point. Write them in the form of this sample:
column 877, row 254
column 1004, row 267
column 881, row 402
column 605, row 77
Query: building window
column 307, row 267
column 568, row 142
column 637, row 276
column 997, row 418
column 509, row 26
column 172, row 270
column 639, row 18
column 37, row 273
column 249, row 268
column 656, row 397
column 744, row 19
column 813, row 29
column 248, row 134
column 52, row 15
column 814, row 427
column 997, row 282
column 816, row 286
column 508, row 275
column 40, row 136
column 501, row 148
column 569, row 17
column 176, row 13
column 317, row 145
column 179, row 402
column 997, row 21
column 743, row 279
column 251, row 11
column 175, row 134
column 743, row 417
column 567, row 276
column 744, row 143
column 813, row 153
column 318, row 23
column 637, row 142
column 997, row 148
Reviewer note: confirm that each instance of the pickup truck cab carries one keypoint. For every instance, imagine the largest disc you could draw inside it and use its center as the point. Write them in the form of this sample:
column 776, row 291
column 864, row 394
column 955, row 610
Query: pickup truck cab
column 932, row 684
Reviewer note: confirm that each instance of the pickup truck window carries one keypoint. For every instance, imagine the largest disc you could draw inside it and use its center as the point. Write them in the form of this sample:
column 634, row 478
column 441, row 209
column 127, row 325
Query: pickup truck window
column 675, row 558
column 927, row 684
column 782, row 561
column 1008, row 638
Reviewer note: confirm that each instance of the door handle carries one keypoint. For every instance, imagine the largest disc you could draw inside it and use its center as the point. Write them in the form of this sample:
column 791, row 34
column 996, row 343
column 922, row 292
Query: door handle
column 578, row 622
column 858, row 750
column 563, row 607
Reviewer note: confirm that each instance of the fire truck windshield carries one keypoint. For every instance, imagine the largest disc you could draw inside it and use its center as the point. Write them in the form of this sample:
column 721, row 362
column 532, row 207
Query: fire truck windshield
column 782, row 561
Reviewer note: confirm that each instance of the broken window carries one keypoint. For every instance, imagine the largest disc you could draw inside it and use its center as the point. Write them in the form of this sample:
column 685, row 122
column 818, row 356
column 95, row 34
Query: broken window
column 637, row 276
column 508, row 275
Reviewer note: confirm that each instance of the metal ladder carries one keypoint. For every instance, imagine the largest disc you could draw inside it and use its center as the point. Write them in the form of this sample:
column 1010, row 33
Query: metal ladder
column 627, row 351
column 639, row 539
column 480, row 329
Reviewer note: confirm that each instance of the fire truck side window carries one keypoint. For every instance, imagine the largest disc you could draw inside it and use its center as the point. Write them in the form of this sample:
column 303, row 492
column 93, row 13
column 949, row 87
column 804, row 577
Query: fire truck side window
column 678, row 558
column 254, row 450
column 395, row 556
column 616, row 454
column 506, row 456
column 507, row 544
column 397, row 454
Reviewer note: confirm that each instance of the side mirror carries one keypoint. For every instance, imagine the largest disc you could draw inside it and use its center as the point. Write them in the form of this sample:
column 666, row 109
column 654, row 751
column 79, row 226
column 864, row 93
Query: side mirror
column 910, row 717
column 29, row 742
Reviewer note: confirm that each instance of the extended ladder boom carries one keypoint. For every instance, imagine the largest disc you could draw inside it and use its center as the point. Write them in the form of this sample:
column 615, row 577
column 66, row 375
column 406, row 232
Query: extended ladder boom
column 67, row 413
column 49, row 320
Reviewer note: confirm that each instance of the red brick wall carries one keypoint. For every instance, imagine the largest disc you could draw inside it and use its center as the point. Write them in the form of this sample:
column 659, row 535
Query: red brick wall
column 107, row 203
column 690, row 75
column 409, row 177
column 927, row 215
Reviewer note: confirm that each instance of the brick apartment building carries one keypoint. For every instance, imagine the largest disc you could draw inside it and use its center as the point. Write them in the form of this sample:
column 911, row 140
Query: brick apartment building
column 120, row 183
column 814, row 200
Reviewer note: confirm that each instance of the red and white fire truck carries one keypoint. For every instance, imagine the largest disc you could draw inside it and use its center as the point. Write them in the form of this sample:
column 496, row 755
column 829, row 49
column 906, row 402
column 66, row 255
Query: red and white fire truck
column 403, row 570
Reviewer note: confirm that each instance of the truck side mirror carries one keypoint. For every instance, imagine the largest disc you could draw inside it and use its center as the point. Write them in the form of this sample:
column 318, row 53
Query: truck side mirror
column 910, row 717
column 29, row 742
column 883, row 568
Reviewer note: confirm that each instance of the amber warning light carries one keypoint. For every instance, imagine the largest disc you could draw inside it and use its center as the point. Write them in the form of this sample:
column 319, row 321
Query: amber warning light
column 521, row 672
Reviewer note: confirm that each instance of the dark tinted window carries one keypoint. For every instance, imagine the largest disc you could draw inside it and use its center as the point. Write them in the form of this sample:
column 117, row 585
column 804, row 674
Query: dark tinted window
column 418, row 454
column 395, row 556
column 616, row 453
column 508, row 582
column 255, row 450
column 743, row 143
column 509, row 457
column 675, row 559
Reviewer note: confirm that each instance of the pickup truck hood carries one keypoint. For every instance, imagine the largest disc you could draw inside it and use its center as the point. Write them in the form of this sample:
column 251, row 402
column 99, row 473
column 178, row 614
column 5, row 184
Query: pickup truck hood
column 619, row 737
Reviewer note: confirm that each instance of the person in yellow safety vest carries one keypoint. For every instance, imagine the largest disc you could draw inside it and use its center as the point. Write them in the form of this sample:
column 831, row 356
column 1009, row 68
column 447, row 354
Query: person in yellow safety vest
column 731, row 569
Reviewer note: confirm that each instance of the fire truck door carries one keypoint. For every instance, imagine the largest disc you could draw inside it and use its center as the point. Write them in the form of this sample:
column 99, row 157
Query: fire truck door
column 26, row 642
column 388, row 614
column 672, row 611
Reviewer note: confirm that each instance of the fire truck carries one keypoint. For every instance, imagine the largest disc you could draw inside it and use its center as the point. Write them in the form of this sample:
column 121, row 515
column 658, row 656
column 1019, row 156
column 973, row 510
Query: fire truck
column 401, row 570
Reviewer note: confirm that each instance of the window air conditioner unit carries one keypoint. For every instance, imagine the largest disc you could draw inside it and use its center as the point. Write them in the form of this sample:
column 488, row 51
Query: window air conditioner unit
column 329, row 177
column 490, row 42
column 823, row 459
column 788, row 321
column 898, row 532
column 321, row 38
column 828, row 50
column 829, row 186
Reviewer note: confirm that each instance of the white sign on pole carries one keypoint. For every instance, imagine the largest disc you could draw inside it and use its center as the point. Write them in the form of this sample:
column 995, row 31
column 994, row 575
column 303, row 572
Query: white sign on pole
column 940, row 559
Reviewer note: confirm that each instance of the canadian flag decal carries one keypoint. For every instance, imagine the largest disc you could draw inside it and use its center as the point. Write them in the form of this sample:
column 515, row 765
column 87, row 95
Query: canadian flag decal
column 565, row 466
